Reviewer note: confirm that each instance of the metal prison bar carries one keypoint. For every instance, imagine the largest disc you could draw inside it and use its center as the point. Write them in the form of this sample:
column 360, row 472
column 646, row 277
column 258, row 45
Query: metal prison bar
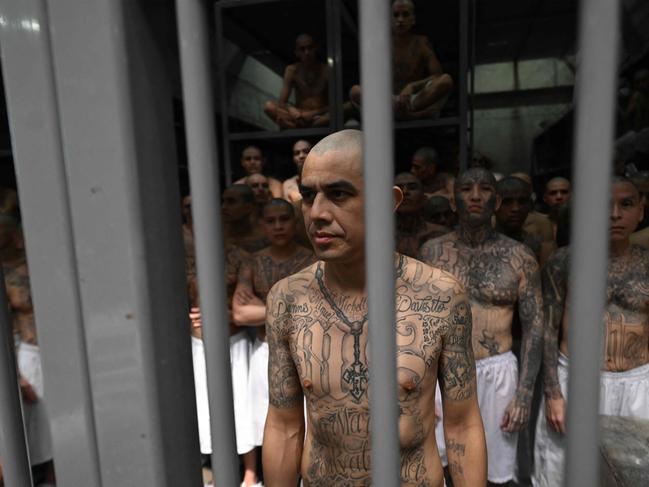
column 116, row 363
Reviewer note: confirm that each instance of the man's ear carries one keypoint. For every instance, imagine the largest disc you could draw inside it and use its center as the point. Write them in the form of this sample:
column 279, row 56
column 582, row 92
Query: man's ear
column 397, row 196
column 499, row 202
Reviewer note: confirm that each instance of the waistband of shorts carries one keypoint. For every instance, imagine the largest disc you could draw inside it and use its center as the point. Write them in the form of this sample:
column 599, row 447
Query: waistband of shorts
column 238, row 336
column 28, row 347
column 501, row 358
column 642, row 371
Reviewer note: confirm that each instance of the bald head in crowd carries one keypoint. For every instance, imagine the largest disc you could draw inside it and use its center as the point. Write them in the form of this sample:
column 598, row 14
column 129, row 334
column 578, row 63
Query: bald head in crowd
column 557, row 193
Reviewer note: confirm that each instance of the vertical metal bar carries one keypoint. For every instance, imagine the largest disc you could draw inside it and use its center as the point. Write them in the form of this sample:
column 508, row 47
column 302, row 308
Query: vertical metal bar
column 13, row 444
column 462, row 82
column 203, row 165
column 594, row 130
column 474, row 35
column 31, row 95
column 334, row 36
column 116, row 118
column 378, row 150
column 222, row 84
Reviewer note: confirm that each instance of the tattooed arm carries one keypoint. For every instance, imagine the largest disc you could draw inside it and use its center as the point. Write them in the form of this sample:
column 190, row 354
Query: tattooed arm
column 554, row 297
column 463, row 430
column 284, row 431
column 247, row 308
column 530, row 309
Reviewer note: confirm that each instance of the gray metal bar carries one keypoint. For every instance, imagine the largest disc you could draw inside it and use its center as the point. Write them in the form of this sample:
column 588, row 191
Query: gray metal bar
column 223, row 91
column 38, row 154
column 203, row 174
column 462, row 82
column 13, row 443
column 378, row 153
column 116, row 117
column 594, row 130
column 337, row 78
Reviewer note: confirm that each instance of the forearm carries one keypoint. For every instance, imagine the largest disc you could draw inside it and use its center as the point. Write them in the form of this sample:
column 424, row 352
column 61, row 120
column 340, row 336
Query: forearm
column 282, row 452
column 531, row 354
column 551, row 386
column 249, row 315
column 467, row 453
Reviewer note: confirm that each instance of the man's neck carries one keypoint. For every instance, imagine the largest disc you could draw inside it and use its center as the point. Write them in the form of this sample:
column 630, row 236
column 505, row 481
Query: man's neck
column 409, row 223
column 345, row 277
column 619, row 248
column 239, row 228
column 475, row 236
column 402, row 40
column 283, row 252
column 515, row 233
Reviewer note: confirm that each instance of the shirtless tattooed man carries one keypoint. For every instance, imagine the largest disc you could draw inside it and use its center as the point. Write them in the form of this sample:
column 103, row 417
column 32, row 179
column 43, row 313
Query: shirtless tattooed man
column 309, row 78
column 282, row 258
column 317, row 332
column 253, row 162
column 419, row 84
column 625, row 364
column 498, row 273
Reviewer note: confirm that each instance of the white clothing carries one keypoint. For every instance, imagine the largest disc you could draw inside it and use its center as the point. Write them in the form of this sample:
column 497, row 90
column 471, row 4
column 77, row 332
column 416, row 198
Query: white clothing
column 239, row 357
column 37, row 426
column 258, row 383
column 621, row 394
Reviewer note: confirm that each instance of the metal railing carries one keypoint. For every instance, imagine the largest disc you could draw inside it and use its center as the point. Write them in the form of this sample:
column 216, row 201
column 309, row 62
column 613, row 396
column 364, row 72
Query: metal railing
column 90, row 136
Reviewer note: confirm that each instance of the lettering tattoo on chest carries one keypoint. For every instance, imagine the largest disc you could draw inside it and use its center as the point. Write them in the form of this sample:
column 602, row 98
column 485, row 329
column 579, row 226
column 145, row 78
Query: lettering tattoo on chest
column 356, row 375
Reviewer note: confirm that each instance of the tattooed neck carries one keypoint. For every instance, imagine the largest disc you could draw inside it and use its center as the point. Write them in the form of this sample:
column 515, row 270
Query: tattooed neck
column 619, row 249
column 475, row 236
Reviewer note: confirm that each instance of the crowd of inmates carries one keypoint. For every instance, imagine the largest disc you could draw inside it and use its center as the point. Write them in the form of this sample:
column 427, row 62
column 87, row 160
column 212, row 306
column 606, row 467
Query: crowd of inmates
column 507, row 245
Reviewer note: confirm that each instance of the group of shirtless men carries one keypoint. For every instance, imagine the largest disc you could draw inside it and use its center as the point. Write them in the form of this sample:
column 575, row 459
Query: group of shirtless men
column 469, row 274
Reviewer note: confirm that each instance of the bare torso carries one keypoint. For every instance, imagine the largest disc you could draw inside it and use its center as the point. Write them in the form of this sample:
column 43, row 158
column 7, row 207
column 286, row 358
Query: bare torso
column 492, row 276
column 410, row 61
column 310, row 84
column 327, row 337
column 626, row 317
column 410, row 239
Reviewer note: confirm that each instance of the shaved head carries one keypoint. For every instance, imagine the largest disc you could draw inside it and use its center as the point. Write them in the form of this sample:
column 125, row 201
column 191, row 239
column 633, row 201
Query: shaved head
column 348, row 140
column 556, row 180
column 303, row 38
column 409, row 3
column 513, row 185
column 522, row 175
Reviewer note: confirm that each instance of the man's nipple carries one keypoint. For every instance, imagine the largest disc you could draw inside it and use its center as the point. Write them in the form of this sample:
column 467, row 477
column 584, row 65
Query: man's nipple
column 307, row 384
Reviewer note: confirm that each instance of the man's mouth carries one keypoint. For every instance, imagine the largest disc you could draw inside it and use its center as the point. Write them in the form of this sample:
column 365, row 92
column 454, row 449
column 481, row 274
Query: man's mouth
column 323, row 238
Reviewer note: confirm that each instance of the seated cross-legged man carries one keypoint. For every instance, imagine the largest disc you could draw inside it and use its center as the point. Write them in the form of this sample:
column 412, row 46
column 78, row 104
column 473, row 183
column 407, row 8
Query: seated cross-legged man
column 317, row 331
column 420, row 85
column 499, row 274
column 624, row 387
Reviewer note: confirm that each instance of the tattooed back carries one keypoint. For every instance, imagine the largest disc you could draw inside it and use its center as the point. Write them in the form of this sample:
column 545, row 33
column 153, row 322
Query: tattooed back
column 318, row 347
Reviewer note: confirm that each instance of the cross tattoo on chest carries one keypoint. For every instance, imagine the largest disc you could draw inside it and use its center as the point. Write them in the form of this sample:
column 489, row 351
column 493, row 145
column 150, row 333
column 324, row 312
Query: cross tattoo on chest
column 356, row 375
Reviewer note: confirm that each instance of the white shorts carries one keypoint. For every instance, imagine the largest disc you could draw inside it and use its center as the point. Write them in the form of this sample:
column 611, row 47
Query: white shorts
column 258, row 383
column 497, row 379
column 621, row 394
column 37, row 426
column 239, row 357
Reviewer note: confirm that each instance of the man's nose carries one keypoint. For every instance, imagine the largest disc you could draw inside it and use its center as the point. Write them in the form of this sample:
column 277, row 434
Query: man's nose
column 320, row 209
column 475, row 193
column 615, row 212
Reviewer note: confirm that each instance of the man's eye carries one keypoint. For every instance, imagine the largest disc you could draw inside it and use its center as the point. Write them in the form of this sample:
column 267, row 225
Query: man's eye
column 337, row 195
column 307, row 196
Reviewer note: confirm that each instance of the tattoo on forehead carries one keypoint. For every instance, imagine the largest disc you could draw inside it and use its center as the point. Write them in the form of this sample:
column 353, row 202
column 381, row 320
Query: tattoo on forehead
column 476, row 175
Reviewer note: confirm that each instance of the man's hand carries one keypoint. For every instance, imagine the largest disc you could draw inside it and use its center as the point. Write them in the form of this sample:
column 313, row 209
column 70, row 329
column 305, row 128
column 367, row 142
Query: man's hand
column 516, row 415
column 294, row 113
column 27, row 391
column 555, row 413
column 195, row 317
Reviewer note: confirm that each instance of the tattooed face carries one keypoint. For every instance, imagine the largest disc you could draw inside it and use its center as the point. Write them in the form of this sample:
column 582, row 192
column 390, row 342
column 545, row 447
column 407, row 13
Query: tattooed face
column 278, row 224
column 413, row 193
column 626, row 211
column 332, row 205
column 234, row 206
column 475, row 196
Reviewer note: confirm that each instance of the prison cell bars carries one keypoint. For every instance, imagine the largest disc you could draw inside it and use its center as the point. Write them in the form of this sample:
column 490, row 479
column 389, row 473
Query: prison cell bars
column 599, row 27
column 200, row 130
column 598, row 42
